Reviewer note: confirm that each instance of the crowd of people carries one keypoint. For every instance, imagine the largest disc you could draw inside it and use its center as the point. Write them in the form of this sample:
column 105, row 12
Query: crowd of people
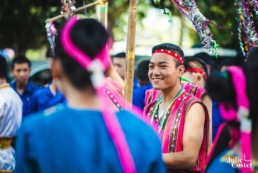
column 189, row 115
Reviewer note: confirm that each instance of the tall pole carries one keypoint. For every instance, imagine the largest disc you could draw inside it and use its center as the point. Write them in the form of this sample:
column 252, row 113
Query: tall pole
column 130, row 53
column 103, row 12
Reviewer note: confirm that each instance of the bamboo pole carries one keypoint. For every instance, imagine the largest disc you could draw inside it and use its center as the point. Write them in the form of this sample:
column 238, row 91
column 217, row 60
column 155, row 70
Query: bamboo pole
column 130, row 53
column 77, row 10
column 103, row 12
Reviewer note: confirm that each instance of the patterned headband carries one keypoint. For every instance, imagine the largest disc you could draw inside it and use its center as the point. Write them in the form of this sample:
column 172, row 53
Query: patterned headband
column 171, row 53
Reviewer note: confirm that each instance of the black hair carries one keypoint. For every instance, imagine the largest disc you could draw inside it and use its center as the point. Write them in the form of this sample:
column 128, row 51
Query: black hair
column 20, row 60
column 236, row 61
column 199, row 63
column 3, row 67
column 220, row 88
column 142, row 70
column 89, row 36
column 119, row 55
column 208, row 60
column 171, row 47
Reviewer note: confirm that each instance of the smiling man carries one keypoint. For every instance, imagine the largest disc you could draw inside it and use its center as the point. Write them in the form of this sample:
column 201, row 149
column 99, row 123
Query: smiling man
column 20, row 67
column 180, row 118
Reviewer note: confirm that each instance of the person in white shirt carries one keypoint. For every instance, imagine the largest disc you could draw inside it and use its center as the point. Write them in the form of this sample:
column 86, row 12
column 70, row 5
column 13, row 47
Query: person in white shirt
column 10, row 119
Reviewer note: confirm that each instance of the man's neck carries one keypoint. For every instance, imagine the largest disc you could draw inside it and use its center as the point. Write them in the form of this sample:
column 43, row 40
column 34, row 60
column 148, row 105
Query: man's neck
column 169, row 93
column 53, row 89
column 83, row 99
column 2, row 81
column 20, row 87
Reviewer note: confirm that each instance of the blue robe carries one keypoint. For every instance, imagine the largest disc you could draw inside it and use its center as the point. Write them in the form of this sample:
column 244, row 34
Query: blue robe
column 64, row 139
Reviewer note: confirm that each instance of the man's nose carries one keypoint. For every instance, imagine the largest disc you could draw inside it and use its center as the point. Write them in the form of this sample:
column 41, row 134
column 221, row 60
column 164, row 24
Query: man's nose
column 22, row 73
column 156, row 71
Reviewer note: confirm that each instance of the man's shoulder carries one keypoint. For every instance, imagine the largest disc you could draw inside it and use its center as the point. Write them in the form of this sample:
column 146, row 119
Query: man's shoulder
column 12, row 84
column 33, row 86
column 9, row 94
column 41, row 91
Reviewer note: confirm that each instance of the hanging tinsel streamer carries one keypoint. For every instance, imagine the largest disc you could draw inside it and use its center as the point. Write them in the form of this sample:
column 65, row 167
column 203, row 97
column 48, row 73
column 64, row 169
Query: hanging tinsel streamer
column 190, row 11
column 165, row 11
column 51, row 33
column 246, row 20
column 254, row 4
column 249, row 25
column 85, row 10
column 68, row 8
column 169, row 13
column 243, row 43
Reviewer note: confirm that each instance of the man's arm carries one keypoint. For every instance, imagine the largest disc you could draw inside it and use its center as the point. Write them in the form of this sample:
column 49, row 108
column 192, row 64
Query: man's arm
column 192, row 139
column 111, row 72
column 208, row 103
column 2, row 107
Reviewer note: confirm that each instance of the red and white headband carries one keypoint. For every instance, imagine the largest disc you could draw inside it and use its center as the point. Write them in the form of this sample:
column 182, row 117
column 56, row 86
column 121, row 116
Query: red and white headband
column 171, row 53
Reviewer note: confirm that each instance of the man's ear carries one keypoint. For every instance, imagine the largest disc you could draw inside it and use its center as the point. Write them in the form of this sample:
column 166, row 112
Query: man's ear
column 181, row 70
column 199, row 76
column 56, row 69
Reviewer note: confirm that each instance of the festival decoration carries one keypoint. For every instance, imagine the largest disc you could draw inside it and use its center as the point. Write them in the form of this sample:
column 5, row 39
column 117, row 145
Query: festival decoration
column 247, row 34
column 190, row 11
column 169, row 13
column 254, row 4
column 51, row 33
column 68, row 8
column 85, row 10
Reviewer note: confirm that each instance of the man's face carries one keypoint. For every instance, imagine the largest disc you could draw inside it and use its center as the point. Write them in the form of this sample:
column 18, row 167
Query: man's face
column 120, row 66
column 163, row 73
column 196, row 78
column 21, row 72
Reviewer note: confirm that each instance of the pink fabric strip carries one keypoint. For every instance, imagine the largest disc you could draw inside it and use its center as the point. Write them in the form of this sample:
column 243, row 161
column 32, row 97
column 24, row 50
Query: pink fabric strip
column 70, row 48
column 246, row 151
column 118, row 138
column 239, row 82
column 76, row 53
column 240, row 86
column 238, row 77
